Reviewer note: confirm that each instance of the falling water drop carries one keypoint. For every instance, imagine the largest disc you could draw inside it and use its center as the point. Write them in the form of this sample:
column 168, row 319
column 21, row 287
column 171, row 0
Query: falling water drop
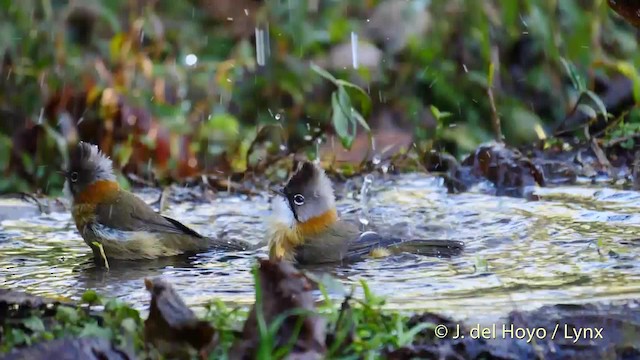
column 354, row 50
column 260, row 55
column 376, row 159
column 278, row 116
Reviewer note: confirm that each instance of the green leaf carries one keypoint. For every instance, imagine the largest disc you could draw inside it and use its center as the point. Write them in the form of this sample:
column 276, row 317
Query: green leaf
column 345, row 83
column 577, row 80
column 19, row 337
column 129, row 325
column 587, row 110
column 598, row 101
column 34, row 324
column 67, row 314
column 361, row 120
column 408, row 336
column 340, row 118
column 324, row 73
column 358, row 95
column 90, row 297
column 439, row 115
column 93, row 329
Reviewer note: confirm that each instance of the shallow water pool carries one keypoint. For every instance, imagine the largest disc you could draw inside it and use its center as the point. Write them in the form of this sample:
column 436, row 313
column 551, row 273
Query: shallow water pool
column 577, row 244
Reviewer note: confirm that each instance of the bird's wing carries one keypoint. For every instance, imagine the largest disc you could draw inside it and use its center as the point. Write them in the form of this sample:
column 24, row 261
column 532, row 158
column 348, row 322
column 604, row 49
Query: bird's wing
column 130, row 213
column 328, row 246
column 134, row 214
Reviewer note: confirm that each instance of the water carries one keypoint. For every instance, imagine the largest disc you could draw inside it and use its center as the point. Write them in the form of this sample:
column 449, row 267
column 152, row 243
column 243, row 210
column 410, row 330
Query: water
column 578, row 244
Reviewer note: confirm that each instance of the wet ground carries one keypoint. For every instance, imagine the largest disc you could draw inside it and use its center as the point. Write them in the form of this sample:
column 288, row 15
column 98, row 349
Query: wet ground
column 578, row 244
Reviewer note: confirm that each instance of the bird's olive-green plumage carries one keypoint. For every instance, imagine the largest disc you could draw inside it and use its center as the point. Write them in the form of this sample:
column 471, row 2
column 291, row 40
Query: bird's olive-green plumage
column 117, row 223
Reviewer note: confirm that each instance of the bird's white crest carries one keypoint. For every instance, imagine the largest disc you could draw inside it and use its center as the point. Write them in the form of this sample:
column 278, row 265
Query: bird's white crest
column 324, row 188
column 100, row 162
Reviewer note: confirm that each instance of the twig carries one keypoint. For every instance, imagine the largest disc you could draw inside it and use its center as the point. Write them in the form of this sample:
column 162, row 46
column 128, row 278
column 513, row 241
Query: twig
column 621, row 139
column 102, row 254
column 497, row 129
column 597, row 150
column 41, row 207
column 164, row 195
column 636, row 170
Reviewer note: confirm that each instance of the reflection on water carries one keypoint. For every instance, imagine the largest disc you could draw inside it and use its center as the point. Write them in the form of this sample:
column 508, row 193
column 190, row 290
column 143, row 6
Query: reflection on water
column 577, row 244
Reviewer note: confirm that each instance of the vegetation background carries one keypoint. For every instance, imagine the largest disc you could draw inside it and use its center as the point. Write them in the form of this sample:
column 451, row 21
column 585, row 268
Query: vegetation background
column 173, row 89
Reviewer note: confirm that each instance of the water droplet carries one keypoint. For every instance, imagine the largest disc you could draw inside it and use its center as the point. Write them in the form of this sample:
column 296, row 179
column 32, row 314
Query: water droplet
column 283, row 147
column 277, row 116
column 191, row 60
column 308, row 137
column 376, row 159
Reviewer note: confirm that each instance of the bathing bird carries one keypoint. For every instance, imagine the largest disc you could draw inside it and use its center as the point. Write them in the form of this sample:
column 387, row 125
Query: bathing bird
column 117, row 224
column 305, row 226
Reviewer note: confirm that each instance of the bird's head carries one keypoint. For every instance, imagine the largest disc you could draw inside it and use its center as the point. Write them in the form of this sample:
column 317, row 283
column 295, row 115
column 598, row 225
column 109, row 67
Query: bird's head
column 87, row 164
column 307, row 195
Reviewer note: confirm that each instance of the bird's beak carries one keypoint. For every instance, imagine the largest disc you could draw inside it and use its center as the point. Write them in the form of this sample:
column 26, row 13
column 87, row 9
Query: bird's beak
column 278, row 191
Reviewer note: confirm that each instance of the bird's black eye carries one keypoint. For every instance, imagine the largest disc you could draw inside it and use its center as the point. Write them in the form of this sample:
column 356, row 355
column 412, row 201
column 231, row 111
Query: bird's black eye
column 298, row 199
column 74, row 176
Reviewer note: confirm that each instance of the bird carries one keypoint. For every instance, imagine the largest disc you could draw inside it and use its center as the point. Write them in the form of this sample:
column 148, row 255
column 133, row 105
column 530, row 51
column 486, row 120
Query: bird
column 305, row 227
column 117, row 224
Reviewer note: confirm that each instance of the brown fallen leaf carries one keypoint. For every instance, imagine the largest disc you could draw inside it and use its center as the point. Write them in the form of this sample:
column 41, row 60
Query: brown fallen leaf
column 284, row 290
column 82, row 348
column 510, row 171
column 171, row 326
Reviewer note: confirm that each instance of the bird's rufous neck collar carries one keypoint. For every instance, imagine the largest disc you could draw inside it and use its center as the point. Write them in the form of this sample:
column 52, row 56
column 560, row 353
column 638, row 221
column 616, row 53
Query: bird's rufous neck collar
column 318, row 223
column 97, row 192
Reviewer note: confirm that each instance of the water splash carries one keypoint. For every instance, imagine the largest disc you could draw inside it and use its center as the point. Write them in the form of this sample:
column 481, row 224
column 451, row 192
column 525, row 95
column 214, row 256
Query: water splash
column 365, row 196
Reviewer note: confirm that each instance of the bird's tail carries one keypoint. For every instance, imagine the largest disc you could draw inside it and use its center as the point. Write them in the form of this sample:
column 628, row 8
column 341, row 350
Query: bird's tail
column 226, row 245
column 371, row 243
column 432, row 247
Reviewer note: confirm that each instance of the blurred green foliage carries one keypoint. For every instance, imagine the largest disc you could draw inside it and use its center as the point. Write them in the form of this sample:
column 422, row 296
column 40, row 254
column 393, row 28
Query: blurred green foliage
column 213, row 74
